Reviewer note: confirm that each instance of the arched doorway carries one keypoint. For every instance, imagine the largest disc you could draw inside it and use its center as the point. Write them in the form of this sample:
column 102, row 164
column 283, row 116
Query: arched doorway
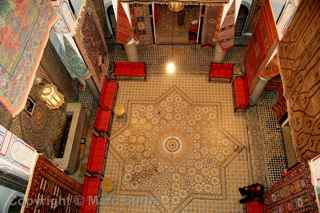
column 241, row 20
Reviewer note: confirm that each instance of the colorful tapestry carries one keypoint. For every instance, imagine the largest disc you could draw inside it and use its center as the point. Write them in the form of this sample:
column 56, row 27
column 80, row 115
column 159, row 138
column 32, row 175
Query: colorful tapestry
column 293, row 193
column 24, row 32
column 299, row 53
column 262, row 44
column 90, row 39
column 124, row 29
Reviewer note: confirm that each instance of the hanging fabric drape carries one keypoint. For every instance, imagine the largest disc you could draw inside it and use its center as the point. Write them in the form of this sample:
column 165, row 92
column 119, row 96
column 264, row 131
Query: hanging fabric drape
column 24, row 32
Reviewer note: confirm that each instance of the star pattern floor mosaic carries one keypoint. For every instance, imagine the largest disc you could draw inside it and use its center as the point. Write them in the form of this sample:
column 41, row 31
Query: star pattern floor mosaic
column 181, row 147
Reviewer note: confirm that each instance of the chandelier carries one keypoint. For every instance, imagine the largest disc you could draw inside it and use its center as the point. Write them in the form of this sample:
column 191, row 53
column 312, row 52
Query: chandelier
column 175, row 6
column 53, row 98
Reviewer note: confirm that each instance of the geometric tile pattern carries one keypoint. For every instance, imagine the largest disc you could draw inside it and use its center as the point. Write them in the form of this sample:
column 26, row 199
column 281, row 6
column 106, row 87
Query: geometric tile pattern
column 274, row 154
column 174, row 150
column 181, row 149
column 269, row 159
column 190, row 58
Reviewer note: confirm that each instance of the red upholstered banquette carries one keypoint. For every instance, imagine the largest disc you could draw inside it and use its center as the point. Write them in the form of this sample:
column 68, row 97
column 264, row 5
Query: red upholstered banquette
column 126, row 70
column 240, row 93
column 221, row 72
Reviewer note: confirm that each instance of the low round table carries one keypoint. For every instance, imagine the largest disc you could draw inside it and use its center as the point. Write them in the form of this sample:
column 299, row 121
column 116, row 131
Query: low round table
column 107, row 185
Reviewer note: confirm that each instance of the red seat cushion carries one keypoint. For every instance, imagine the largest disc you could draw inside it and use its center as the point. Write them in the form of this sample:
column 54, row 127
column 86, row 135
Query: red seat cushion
column 108, row 94
column 240, row 88
column 221, row 71
column 129, row 69
column 254, row 207
column 103, row 120
column 97, row 155
column 90, row 190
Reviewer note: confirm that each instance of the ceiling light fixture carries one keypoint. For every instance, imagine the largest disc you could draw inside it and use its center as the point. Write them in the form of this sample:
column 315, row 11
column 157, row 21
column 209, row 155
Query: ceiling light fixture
column 175, row 6
column 53, row 98
column 171, row 68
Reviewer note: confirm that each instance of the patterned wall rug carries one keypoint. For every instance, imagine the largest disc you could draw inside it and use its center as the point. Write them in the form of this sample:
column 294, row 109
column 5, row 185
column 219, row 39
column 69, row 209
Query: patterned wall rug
column 180, row 149
column 24, row 32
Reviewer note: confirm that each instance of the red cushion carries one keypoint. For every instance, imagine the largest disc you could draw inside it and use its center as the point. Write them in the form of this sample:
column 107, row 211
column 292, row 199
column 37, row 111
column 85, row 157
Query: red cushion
column 103, row 119
column 108, row 94
column 254, row 207
column 90, row 190
column 130, row 69
column 221, row 71
column 240, row 88
column 97, row 155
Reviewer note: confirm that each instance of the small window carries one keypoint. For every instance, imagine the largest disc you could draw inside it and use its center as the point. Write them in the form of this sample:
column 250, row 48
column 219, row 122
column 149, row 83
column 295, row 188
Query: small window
column 30, row 106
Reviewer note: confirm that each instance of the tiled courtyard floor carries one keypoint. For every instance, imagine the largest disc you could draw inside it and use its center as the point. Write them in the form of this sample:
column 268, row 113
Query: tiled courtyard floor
column 181, row 149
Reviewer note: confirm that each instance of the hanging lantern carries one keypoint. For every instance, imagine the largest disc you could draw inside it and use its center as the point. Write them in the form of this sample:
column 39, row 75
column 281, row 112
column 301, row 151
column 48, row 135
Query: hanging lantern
column 176, row 6
column 53, row 98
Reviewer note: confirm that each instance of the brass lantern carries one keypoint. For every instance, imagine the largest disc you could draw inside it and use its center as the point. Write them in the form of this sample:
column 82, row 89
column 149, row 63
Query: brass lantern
column 53, row 98
column 176, row 6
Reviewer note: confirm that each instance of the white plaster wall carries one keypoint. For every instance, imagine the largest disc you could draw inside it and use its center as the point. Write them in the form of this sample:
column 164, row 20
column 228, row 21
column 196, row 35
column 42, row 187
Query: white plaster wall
column 16, row 157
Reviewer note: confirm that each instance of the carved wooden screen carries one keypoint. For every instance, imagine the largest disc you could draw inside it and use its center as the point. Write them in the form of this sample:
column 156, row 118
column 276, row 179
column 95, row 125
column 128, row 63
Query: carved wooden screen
column 51, row 190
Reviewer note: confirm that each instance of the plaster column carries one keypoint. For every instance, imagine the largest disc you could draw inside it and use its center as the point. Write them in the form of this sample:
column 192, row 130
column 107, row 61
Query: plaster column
column 219, row 53
column 258, row 90
column 131, row 50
